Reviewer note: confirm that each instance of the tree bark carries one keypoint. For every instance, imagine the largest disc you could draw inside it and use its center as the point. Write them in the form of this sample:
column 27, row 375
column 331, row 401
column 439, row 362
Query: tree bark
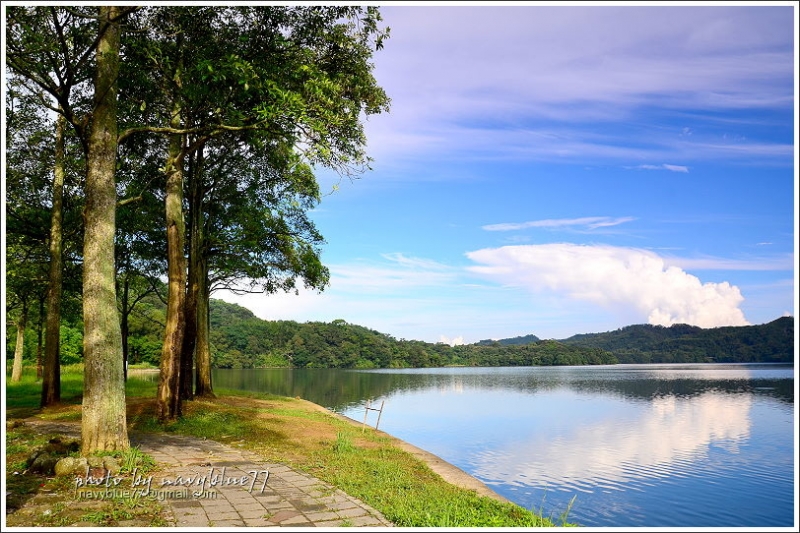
column 168, row 400
column 19, row 349
column 51, row 369
column 198, row 269
column 190, row 333
column 103, row 420
column 124, row 327
column 203, row 349
column 40, row 329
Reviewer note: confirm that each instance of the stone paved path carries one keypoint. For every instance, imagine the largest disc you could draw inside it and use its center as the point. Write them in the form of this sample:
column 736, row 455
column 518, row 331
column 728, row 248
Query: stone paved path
column 210, row 484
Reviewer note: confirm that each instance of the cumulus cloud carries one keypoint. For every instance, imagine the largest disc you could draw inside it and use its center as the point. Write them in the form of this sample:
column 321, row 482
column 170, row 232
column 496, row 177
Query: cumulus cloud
column 633, row 279
column 590, row 222
column 456, row 341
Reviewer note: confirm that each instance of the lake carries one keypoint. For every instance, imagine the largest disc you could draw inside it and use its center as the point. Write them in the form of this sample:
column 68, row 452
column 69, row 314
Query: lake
column 705, row 445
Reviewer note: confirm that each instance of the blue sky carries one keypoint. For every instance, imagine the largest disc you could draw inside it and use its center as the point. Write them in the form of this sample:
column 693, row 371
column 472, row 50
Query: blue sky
column 567, row 169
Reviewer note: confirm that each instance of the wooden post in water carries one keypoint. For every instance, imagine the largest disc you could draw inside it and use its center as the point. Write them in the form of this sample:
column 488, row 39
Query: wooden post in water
column 368, row 409
column 380, row 412
column 366, row 412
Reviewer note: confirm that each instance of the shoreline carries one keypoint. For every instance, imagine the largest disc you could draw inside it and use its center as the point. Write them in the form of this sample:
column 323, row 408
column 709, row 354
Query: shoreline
column 447, row 471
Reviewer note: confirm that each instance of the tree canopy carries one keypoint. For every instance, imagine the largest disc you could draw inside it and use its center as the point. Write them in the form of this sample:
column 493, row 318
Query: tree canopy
column 223, row 113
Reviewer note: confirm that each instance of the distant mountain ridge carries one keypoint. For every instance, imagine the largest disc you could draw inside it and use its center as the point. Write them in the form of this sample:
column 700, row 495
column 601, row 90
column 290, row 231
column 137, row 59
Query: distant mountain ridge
column 682, row 343
column 241, row 340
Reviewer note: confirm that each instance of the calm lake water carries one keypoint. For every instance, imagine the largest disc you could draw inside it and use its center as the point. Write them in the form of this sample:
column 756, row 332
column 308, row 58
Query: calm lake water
column 634, row 445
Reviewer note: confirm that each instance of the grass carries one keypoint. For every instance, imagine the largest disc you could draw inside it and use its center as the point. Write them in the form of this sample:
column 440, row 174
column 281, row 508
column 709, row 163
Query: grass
column 59, row 506
column 365, row 464
column 22, row 400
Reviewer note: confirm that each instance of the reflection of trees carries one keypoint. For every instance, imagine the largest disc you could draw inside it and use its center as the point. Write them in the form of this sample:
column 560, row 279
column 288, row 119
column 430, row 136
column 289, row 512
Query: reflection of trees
column 648, row 389
column 342, row 389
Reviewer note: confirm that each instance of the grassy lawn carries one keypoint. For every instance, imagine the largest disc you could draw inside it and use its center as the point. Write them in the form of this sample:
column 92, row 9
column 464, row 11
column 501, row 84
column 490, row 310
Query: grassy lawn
column 364, row 463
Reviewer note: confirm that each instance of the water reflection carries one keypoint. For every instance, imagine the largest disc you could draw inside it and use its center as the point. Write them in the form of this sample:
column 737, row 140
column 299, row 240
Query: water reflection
column 655, row 441
column 641, row 445
column 343, row 389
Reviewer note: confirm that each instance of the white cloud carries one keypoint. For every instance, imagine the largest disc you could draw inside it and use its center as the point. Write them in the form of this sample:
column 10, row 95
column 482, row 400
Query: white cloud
column 664, row 166
column 676, row 168
column 464, row 78
column 590, row 222
column 456, row 341
column 418, row 298
column 626, row 278
column 414, row 262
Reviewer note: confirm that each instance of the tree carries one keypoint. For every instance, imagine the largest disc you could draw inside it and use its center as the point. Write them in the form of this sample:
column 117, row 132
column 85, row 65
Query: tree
column 300, row 76
column 293, row 80
column 52, row 49
column 103, row 420
column 249, row 230
column 51, row 374
column 28, row 156
column 16, row 371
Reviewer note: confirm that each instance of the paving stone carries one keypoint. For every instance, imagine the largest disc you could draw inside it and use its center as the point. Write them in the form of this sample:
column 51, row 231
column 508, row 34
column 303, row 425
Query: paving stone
column 330, row 523
column 186, row 504
column 296, row 521
column 259, row 522
column 343, row 505
column 219, row 505
column 282, row 516
column 355, row 511
column 229, row 523
column 361, row 521
column 225, row 516
column 252, row 512
column 322, row 516
column 193, row 521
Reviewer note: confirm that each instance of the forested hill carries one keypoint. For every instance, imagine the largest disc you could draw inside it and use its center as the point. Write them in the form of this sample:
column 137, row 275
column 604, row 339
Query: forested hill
column 239, row 339
column 680, row 343
column 527, row 339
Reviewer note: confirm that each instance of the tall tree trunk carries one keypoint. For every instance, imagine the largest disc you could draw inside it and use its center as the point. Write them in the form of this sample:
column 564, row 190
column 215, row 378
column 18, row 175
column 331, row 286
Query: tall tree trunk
column 189, row 336
column 40, row 329
column 190, row 333
column 203, row 348
column 123, row 322
column 168, row 401
column 51, row 370
column 103, row 420
column 19, row 349
column 199, row 251
column 39, row 366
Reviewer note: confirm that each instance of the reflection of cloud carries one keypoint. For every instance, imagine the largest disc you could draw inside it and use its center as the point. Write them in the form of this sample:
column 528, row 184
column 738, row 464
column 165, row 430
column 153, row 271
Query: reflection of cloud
column 674, row 430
